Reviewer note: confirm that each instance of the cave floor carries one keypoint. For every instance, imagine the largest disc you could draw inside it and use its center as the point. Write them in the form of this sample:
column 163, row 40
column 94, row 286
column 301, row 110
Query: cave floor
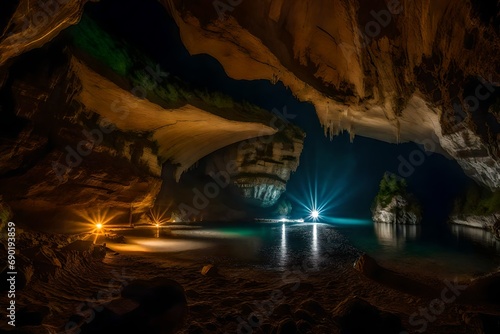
column 222, row 303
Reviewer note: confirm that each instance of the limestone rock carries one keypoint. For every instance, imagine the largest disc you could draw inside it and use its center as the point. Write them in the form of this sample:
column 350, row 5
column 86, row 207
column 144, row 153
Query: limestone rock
column 406, row 80
column 398, row 211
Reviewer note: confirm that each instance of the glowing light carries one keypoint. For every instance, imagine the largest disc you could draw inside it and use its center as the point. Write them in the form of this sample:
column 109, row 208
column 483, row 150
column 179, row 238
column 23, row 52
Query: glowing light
column 158, row 218
column 315, row 214
column 97, row 219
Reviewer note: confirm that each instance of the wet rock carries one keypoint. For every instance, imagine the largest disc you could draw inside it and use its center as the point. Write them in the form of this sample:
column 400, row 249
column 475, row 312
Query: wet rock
column 210, row 270
column 355, row 315
column 371, row 269
column 367, row 265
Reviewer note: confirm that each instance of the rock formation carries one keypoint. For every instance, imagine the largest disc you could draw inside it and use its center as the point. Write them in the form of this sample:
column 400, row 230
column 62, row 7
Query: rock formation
column 398, row 211
column 89, row 121
column 489, row 223
column 391, row 70
column 261, row 167
column 394, row 205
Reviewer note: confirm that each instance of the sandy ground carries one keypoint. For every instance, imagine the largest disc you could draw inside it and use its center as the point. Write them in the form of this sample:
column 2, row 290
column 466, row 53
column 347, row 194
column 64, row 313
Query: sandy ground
column 226, row 303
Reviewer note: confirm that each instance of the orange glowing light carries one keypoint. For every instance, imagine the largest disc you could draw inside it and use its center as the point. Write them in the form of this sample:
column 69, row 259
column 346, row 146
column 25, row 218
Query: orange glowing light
column 97, row 218
column 158, row 218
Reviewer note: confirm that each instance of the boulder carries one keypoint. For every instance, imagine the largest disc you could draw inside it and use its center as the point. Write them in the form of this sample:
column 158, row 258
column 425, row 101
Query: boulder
column 400, row 210
column 391, row 279
column 355, row 315
column 367, row 265
column 210, row 270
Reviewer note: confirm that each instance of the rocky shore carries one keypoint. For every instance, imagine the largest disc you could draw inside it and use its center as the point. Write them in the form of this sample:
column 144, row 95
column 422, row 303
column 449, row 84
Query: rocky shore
column 486, row 222
column 76, row 286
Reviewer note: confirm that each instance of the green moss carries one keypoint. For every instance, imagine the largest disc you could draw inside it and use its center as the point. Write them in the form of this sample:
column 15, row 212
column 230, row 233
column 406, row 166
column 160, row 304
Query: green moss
column 390, row 186
column 169, row 92
column 478, row 201
column 89, row 37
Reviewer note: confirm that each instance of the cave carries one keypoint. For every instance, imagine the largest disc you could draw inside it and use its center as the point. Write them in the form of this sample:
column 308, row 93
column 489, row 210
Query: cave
column 235, row 166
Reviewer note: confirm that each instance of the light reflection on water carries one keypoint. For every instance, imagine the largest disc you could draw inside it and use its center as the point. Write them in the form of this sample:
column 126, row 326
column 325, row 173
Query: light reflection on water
column 396, row 235
column 281, row 245
column 477, row 235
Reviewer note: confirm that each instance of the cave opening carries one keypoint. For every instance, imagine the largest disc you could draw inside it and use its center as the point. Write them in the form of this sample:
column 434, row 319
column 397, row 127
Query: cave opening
column 148, row 190
column 352, row 170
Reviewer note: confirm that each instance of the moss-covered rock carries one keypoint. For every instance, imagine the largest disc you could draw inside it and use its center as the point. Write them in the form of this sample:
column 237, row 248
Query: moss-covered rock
column 394, row 204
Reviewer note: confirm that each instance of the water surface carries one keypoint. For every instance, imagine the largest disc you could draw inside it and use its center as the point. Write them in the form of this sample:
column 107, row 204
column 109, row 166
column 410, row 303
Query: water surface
column 457, row 251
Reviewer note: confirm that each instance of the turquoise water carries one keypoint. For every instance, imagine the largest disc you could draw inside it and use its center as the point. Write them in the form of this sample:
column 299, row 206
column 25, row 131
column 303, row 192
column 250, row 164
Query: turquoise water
column 455, row 250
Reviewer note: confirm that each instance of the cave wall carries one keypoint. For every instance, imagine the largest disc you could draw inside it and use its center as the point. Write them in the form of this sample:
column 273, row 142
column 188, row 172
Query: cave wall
column 63, row 155
column 258, row 170
column 88, row 123
column 396, row 71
